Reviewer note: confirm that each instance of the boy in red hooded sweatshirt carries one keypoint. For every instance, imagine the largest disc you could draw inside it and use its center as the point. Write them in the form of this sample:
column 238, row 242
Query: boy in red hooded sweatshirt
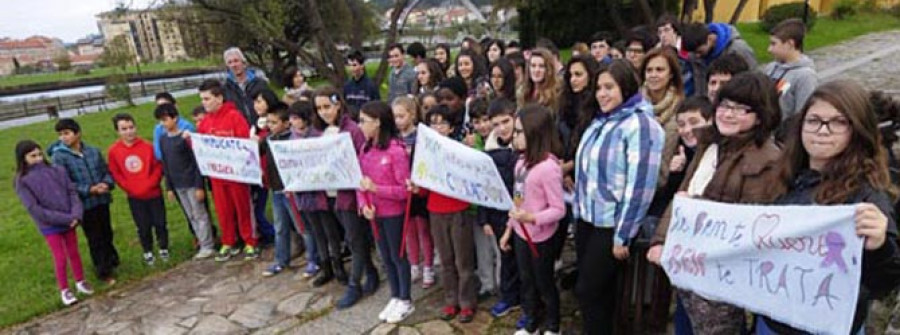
column 232, row 199
column 138, row 173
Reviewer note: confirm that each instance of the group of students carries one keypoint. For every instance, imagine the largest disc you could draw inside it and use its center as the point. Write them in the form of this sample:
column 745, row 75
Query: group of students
column 599, row 144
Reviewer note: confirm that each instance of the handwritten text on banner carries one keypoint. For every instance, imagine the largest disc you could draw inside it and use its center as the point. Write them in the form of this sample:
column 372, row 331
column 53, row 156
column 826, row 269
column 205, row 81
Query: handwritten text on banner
column 228, row 158
column 799, row 265
column 453, row 169
column 323, row 163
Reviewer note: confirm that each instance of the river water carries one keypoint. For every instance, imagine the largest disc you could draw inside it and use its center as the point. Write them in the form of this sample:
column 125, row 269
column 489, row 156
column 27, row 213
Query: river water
column 100, row 88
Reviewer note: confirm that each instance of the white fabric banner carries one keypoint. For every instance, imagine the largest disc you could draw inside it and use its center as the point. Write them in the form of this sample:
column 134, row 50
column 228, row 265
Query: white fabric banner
column 799, row 265
column 317, row 164
column 228, row 158
column 453, row 169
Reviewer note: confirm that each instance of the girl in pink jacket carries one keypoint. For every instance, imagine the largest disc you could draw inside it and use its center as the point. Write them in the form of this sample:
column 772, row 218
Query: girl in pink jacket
column 382, row 198
column 538, row 198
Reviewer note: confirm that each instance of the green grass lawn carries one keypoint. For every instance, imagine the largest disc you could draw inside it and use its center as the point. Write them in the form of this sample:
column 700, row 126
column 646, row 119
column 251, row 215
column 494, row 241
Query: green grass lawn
column 826, row 32
column 18, row 80
column 26, row 267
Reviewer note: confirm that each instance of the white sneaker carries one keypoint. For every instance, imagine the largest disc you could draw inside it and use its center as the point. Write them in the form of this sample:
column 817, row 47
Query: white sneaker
column 557, row 265
column 428, row 277
column 84, row 288
column 401, row 310
column 547, row 332
column 68, row 298
column 524, row 332
column 388, row 309
column 415, row 273
column 205, row 253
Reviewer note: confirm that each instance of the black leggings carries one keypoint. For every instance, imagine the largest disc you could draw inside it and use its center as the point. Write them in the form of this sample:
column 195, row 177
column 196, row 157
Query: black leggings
column 597, row 269
column 325, row 232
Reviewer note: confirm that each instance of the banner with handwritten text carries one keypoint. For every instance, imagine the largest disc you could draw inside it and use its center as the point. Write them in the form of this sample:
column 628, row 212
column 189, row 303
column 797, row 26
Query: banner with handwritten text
column 317, row 164
column 453, row 169
column 228, row 158
column 799, row 265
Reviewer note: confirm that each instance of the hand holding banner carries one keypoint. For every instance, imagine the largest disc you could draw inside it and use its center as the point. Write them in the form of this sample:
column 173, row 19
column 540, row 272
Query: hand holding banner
column 453, row 169
column 317, row 164
column 228, row 158
column 799, row 265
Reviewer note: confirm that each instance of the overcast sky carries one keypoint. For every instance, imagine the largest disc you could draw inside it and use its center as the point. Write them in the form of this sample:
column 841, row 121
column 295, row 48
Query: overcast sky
column 68, row 20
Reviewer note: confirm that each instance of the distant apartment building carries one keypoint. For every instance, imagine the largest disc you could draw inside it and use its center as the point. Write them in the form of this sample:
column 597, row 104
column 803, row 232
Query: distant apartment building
column 35, row 51
column 150, row 37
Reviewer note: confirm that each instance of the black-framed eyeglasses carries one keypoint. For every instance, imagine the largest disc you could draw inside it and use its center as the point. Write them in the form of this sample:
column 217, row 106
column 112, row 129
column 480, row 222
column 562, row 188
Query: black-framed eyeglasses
column 737, row 109
column 835, row 126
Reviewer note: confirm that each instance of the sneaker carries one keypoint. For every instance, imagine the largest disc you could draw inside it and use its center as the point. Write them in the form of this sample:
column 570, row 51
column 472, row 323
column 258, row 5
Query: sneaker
column 547, row 332
column 110, row 281
column 164, row 255
column 68, row 298
column 311, row 270
column 523, row 322
column 388, row 309
column 428, row 277
column 524, row 331
column 484, row 295
column 148, row 258
column 415, row 273
column 225, row 253
column 272, row 270
column 557, row 265
column 351, row 296
column 467, row 315
column 84, row 288
column 449, row 312
column 204, row 254
column 501, row 308
column 250, row 253
column 401, row 310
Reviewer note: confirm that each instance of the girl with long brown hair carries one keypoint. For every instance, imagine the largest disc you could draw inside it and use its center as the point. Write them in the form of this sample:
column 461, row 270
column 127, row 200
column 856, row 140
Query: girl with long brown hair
column 836, row 157
column 541, row 84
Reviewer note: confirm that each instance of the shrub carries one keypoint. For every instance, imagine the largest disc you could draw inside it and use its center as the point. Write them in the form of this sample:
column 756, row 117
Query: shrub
column 82, row 71
column 117, row 88
column 894, row 11
column 843, row 9
column 778, row 13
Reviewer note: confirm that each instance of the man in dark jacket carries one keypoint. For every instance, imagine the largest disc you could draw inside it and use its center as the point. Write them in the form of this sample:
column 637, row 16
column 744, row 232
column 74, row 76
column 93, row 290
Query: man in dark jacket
column 359, row 90
column 241, row 83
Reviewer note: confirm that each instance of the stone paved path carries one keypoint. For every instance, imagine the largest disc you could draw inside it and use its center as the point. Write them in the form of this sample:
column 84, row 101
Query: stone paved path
column 205, row 297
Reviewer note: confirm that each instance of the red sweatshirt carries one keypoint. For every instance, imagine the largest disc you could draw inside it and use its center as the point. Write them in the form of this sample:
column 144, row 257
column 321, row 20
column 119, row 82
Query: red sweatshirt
column 442, row 204
column 225, row 122
column 135, row 169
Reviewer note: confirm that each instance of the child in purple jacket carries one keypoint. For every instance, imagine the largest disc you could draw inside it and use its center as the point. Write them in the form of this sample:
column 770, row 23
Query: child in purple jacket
column 52, row 201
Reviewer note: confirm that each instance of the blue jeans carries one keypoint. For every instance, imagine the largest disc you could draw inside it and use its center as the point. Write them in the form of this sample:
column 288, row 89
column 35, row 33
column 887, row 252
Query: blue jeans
column 391, row 233
column 284, row 223
column 260, row 196
column 681, row 320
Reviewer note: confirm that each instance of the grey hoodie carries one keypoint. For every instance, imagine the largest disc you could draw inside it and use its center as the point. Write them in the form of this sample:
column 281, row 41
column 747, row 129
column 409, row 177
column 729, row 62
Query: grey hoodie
column 795, row 82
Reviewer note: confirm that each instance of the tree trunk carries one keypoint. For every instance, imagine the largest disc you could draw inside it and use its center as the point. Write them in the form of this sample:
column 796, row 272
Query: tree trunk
column 357, row 24
column 391, row 38
column 647, row 11
column 615, row 14
column 687, row 10
column 335, row 71
column 737, row 12
column 709, row 7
